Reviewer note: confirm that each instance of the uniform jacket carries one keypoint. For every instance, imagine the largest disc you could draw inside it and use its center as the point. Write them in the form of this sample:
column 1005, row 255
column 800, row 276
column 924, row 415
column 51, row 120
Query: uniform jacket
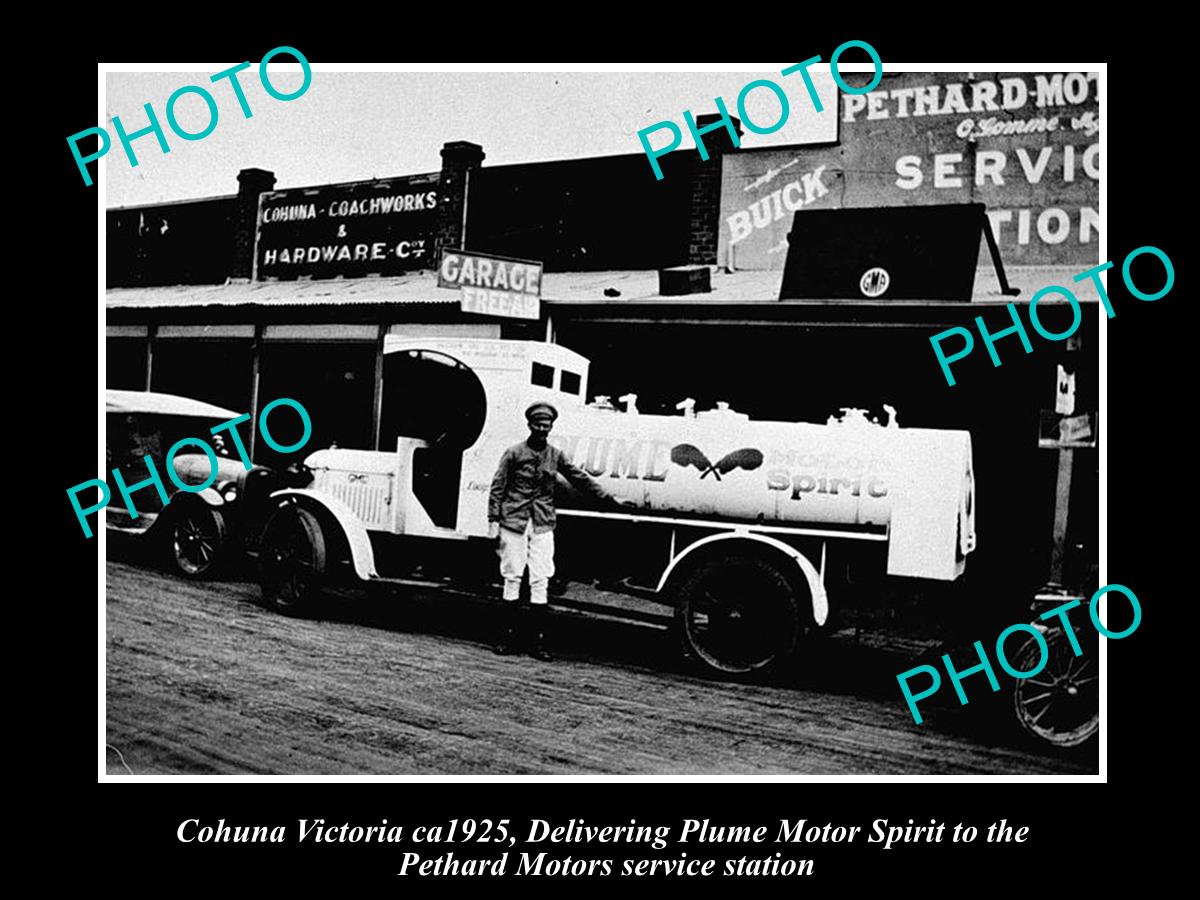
column 523, row 486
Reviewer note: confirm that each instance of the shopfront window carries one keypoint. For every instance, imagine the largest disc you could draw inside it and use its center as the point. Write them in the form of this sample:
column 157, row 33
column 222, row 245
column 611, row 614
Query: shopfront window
column 217, row 372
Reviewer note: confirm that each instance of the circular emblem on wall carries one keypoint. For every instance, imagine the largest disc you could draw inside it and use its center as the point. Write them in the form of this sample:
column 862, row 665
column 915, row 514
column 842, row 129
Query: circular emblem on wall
column 874, row 282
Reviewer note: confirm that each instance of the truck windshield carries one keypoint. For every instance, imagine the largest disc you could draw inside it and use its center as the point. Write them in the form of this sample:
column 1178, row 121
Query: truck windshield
column 429, row 395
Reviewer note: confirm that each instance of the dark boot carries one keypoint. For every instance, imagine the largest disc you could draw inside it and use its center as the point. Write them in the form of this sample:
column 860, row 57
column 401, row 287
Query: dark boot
column 540, row 614
column 507, row 644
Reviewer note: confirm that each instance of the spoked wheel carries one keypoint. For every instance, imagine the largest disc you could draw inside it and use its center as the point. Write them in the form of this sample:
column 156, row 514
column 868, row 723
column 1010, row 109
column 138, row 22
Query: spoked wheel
column 1060, row 704
column 738, row 615
column 197, row 539
column 293, row 561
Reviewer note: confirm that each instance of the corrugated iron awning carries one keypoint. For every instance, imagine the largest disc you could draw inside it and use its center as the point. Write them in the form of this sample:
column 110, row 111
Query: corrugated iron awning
column 758, row 287
column 420, row 287
column 614, row 288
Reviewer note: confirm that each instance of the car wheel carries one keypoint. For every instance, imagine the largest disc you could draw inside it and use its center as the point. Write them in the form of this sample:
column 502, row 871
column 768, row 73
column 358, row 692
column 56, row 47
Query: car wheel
column 197, row 539
column 1060, row 705
column 292, row 561
column 738, row 615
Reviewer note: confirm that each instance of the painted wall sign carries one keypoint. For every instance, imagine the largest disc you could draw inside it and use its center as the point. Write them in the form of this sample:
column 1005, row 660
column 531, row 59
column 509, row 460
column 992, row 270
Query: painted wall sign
column 383, row 227
column 1025, row 145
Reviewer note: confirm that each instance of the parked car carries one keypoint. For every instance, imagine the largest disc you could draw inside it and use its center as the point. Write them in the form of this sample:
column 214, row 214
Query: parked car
column 197, row 531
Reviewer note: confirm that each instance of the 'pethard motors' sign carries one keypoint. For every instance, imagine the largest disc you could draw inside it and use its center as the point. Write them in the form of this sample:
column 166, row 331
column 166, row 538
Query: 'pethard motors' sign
column 382, row 227
column 493, row 285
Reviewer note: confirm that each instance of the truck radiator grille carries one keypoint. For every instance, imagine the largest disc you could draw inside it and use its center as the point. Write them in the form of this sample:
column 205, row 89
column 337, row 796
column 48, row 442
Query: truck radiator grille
column 367, row 494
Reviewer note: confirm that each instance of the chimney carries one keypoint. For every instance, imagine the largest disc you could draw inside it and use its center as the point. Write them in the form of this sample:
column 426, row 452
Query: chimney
column 459, row 160
column 706, row 190
column 251, row 183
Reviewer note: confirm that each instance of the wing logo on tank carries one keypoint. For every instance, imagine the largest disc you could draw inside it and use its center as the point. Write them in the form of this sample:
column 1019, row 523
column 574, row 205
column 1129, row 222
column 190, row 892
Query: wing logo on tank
column 690, row 456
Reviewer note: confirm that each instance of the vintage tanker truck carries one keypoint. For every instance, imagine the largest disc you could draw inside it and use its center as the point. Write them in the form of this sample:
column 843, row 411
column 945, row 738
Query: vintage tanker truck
column 735, row 524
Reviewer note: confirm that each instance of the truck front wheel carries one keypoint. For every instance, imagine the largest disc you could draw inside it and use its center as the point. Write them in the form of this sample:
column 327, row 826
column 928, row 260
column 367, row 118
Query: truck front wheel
column 293, row 561
column 738, row 615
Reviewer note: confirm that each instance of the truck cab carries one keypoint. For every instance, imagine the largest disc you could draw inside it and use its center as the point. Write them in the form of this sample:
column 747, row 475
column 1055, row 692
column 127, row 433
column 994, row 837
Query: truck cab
column 449, row 409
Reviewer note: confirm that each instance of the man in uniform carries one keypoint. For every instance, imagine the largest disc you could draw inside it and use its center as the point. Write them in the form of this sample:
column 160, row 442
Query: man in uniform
column 521, row 514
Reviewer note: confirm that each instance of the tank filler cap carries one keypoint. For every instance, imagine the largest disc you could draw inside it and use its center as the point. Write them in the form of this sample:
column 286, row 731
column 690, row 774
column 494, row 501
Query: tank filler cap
column 851, row 416
column 724, row 412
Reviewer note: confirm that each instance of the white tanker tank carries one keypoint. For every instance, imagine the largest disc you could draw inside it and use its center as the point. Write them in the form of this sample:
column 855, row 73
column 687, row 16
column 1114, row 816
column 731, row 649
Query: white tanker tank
column 913, row 485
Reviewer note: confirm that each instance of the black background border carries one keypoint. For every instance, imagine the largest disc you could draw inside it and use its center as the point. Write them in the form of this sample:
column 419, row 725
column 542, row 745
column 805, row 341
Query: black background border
column 1148, row 180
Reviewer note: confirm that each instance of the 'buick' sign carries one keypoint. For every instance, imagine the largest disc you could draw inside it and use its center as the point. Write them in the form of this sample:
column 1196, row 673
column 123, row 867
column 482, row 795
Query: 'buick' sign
column 493, row 285
column 382, row 227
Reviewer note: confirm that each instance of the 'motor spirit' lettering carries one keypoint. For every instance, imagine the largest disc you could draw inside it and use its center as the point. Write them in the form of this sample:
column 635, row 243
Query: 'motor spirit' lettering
column 802, row 483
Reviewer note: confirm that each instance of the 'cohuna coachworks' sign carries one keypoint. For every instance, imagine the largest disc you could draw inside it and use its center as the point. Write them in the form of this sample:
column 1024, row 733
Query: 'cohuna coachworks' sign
column 382, row 227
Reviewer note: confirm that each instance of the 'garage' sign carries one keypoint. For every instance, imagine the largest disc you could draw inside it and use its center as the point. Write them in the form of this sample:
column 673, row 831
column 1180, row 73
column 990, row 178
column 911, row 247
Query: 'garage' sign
column 493, row 285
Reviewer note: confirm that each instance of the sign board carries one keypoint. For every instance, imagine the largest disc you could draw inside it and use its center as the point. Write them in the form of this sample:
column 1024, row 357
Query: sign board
column 493, row 285
column 1026, row 145
column 889, row 253
column 382, row 227
column 1061, row 431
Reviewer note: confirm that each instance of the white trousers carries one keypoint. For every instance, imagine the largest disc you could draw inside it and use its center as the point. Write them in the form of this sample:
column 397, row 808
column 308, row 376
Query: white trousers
column 518, row 549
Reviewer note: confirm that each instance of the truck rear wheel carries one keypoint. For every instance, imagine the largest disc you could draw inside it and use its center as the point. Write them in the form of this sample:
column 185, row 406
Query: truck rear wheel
column 738, row 615
column 293, row 561
column 1061, row 704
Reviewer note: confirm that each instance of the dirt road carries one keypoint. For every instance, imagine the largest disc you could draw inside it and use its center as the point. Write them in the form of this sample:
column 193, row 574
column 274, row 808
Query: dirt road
column 201, row 680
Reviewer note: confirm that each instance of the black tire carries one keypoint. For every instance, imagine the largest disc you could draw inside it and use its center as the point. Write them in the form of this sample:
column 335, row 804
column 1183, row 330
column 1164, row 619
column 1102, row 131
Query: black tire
column 1060, row 705
column 738, row 615
column 196, row 539
column 293, row 561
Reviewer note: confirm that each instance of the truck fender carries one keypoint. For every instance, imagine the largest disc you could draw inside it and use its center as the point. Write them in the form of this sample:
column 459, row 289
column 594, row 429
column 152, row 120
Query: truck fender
column 820, row 601
column 352, row 527
column 209, row 495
